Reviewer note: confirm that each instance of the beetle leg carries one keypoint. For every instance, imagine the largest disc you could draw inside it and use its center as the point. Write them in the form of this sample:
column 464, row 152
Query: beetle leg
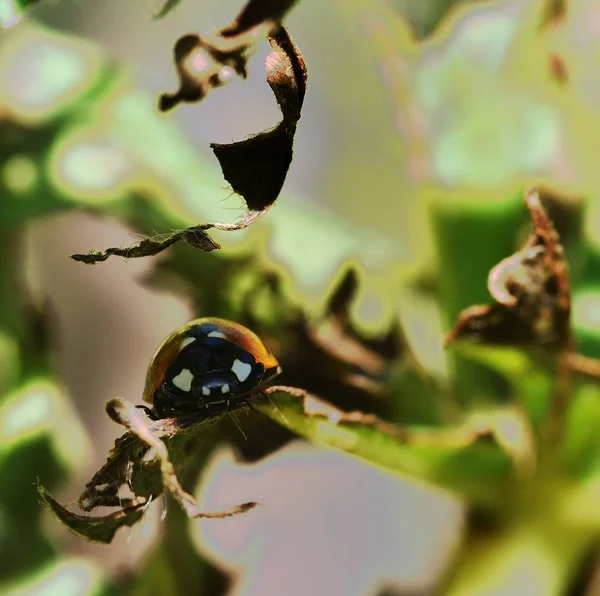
column 149, row 412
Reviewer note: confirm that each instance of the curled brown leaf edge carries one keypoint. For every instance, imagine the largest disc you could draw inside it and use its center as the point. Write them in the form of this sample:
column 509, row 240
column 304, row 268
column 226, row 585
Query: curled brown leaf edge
column 255, row 167
column 531, row 290
column 532, row 310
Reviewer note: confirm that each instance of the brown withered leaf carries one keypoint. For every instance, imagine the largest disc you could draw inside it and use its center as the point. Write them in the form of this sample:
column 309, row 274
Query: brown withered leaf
column 255, row 168
column 196, row 236
column 101, row 529
column 141, row 464
column 567, row 212
column 209, row 61
column 532, row 293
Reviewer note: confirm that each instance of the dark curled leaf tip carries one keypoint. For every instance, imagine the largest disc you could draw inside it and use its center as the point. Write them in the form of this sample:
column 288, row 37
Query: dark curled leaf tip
column 167, row 102
column 531, row 289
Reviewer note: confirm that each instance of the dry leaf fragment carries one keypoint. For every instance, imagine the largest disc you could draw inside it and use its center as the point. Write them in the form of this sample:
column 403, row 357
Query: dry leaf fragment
column 99, row 529
column 128, row 415
column 140, row 465
column 211, row 60
column 196, row 236
column 256, row 167
column 532, row 293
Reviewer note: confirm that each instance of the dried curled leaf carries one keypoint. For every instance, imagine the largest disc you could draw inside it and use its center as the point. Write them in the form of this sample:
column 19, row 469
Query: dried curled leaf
column 196, row 236
column 256, row 167
column 101, row 529
column 127, row 415
column 532, row 293
column 211, row 60
column 141, row 462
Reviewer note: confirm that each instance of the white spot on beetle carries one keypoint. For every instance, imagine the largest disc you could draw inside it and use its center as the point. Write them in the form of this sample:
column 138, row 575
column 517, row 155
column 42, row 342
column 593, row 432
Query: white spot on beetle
column 216, row 334
column 184, row 380
column 241, row 370
column 225, row 388
column 187, row 341
column 205, row 391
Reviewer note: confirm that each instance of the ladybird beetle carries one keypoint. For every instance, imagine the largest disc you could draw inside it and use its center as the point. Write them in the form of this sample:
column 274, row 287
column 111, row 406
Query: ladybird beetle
column 208, row 365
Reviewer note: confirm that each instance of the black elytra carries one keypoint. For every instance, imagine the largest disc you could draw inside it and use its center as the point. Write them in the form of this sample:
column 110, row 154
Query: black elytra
column 208, row 367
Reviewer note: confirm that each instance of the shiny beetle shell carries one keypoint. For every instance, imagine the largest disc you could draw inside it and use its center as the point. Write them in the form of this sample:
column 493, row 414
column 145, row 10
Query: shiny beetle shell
column 208, row 365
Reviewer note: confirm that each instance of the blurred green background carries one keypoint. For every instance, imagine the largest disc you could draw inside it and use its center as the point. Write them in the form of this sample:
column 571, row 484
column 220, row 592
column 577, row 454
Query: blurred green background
column 423, row 123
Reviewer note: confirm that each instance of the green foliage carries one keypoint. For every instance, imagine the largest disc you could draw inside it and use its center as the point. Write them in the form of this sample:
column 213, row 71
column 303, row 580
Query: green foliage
column 69, row 577
column 511, row 431
column 453, row 458
column 33, row 448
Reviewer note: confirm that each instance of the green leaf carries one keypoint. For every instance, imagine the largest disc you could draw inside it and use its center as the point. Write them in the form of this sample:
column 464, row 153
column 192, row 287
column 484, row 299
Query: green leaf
column 530, row 381
column 40, row 407
column 581, row 448
column 472, row 458
column 33, row 447
column 46, row 79
column 73, row 576
column 45, row 73
column 425, row 17
column 463, row 223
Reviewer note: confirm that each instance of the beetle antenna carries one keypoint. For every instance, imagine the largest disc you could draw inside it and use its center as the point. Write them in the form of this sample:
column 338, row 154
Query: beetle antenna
column 237, row 423
column 277, row 408
column 163, row 514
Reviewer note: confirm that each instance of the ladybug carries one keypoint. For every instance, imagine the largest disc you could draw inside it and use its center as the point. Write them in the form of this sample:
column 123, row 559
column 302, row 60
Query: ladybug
column 208, row 365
